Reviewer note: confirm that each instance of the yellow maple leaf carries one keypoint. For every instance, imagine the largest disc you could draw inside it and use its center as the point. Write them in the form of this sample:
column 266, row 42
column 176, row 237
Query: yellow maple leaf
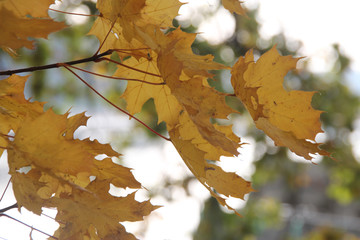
column 137, row 93
column 21, row 8
column 116, row 40
column 234, row 6
column 188, row 131
column 201, row 102
column 25, row 187
column 285, row 116
column 137, row 14
column 211, row 176
column 33, row 136
column 85, row 213
column 179, row 44
column 14, row 106
column 16, row 27
column 160, row 12
column 50, row 168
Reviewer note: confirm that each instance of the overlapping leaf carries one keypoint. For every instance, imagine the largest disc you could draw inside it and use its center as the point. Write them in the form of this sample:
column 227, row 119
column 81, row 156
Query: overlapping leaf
column 234, row 6
column 50, row 168
column 131, row 16
column 185, row 101
column 17, row 27
column 285, row 116
column 14, row 107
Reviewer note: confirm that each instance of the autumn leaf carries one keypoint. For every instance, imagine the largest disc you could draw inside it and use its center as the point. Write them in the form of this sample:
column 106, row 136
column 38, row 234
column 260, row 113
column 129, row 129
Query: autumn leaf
column 95, row 212
column 137, row 93
column 14, row 106
column 196, row 151
column 134, row 15
column 50, row 168
column 115, row 39
column 17, row 27
column 201, row 102
column 285, row 116
column 60, row 177
column 186, row 103
column 21, row 8
column 234, row 6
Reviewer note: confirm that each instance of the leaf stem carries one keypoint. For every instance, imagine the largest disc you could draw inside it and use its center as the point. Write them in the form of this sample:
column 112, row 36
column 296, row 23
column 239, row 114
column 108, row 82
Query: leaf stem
column 78, row 14
column 113, row 104
column 6, row 135
column 132, row 68
column 112, row 25
column 117, row 78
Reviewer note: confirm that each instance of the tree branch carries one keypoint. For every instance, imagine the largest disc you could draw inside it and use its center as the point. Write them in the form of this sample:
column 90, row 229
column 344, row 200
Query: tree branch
column 8, row 208
column 94, row 58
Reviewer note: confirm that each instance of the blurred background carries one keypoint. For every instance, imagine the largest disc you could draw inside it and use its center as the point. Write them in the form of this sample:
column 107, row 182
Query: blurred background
column 295, row 199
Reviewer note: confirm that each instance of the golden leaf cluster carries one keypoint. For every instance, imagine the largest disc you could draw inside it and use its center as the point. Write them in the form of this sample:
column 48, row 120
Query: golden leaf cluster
column 50, row 168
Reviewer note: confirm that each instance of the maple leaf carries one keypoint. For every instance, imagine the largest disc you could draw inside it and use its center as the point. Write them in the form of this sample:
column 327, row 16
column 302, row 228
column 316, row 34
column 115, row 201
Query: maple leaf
column 186, row 103
column 115, row 39
column 168, row 97
column 137, row 93
column 234, row 6
column 17, row 27
column 285, row 116
column 59, row 169
column 160, row 12
column 14, row 107
column 196, row 151
column 135, row 15
column 36, row 9
column 96, row 211
column 59, row 177
column 189, row 131
column 201, row 102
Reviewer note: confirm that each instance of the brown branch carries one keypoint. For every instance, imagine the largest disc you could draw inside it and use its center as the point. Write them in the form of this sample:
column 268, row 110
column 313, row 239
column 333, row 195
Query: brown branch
column 94, row 58
column 114, row 105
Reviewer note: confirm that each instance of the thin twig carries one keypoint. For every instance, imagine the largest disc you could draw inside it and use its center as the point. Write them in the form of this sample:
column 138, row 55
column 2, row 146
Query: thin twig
column 117, row 78
column 132, row 68
column 114, row 105
column 5, row 215
column 7, row 185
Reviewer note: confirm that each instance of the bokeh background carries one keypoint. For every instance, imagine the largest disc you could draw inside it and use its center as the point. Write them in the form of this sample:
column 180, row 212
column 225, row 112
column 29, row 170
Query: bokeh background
column 295, row 199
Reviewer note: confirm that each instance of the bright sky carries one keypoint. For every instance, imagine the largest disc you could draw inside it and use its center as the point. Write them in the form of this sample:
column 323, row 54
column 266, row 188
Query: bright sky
column 317, row 23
